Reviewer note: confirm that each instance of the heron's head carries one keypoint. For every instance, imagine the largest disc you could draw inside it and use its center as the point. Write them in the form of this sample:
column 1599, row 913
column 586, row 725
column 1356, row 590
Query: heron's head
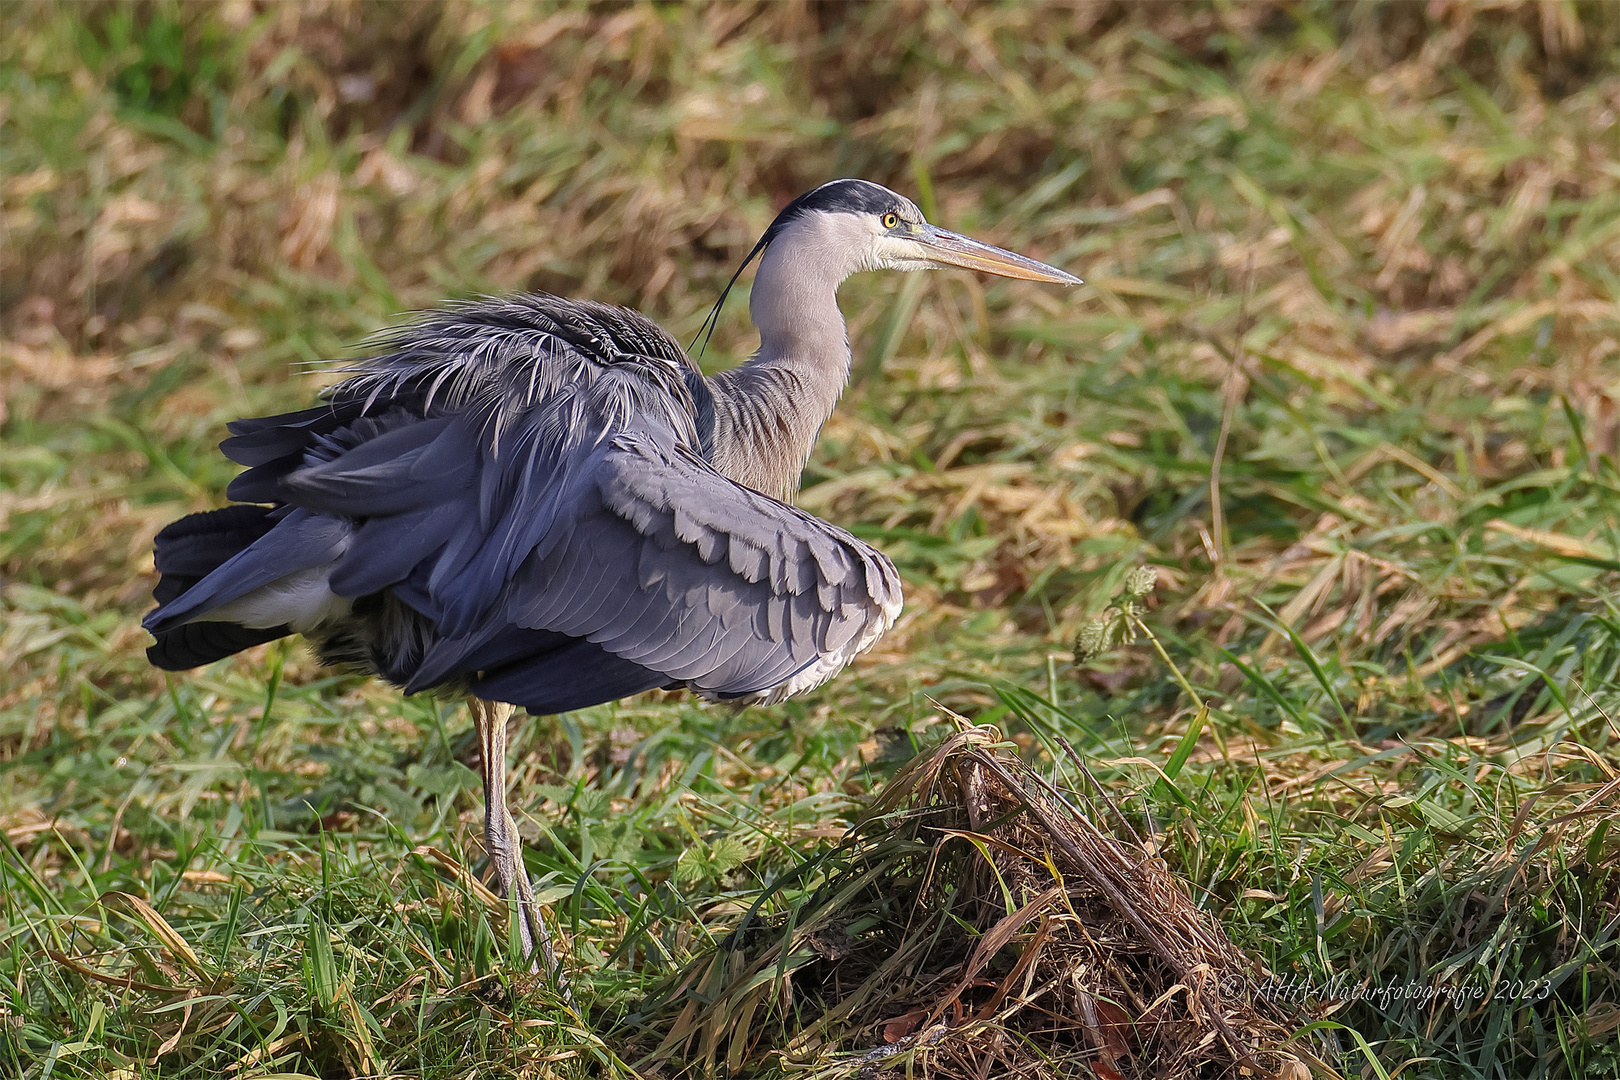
column 865, row 226
column 846, row 226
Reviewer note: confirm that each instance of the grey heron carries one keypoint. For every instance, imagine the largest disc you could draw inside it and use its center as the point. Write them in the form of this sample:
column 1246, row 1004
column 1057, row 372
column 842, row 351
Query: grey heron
column 543, row 503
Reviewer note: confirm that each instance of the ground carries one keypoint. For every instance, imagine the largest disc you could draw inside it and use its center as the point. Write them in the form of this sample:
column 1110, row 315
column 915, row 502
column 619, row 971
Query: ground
column 1345, row 374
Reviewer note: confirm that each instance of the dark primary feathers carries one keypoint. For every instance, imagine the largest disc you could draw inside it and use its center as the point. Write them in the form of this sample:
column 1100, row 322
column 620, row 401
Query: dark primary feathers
column 517, row 500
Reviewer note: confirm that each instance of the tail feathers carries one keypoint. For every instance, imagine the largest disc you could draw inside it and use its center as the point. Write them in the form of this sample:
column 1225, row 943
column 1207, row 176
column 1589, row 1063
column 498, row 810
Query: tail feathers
column 298, row 541
column 195, row 644
column 190, row 549
column 186, row 552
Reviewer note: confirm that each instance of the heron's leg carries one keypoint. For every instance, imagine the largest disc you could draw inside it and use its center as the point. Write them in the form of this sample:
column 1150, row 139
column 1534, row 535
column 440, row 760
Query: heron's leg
column 501, row 839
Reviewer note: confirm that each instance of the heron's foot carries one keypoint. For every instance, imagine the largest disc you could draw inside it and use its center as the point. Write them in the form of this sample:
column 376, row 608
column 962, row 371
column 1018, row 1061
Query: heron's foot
column 513, row 885
column 504, row 847
column 536, row 938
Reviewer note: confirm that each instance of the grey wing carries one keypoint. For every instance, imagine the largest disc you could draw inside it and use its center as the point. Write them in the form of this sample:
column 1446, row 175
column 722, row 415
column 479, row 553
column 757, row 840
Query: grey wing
column 658, row 560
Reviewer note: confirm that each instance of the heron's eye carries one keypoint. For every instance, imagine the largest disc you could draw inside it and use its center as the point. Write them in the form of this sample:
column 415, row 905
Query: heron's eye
column 890, row 220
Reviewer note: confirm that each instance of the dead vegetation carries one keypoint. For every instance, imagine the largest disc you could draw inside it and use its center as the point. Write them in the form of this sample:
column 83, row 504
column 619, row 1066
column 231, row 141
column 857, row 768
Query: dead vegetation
column 976, row 921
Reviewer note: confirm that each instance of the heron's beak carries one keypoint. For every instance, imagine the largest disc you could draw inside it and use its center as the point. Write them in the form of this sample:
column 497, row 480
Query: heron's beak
column 953, row 249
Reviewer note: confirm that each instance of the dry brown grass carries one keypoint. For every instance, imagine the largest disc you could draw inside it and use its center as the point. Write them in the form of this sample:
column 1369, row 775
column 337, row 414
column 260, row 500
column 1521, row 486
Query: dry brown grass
column 976, row 921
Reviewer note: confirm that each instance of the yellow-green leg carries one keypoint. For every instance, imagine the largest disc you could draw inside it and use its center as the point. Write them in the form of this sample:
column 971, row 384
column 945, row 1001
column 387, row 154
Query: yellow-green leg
column 502, row 842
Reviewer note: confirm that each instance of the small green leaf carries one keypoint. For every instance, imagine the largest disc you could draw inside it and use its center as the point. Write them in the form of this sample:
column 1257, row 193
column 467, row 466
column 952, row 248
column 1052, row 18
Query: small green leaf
column 319, row 964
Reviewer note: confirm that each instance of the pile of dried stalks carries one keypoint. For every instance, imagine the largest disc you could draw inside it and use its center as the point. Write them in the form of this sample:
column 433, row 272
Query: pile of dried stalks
column 975, row 922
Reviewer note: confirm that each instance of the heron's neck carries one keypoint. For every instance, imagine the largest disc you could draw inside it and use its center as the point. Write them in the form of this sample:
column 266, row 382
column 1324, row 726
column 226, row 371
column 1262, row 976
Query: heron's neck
column 769, row 411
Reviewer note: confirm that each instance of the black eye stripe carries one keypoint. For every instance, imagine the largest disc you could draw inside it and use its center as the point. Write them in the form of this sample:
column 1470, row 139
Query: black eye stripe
column 840, row 196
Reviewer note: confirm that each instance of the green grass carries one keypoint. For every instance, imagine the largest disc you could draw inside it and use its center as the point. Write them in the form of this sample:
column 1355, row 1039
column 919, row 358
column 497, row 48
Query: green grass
column 1358, row 265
